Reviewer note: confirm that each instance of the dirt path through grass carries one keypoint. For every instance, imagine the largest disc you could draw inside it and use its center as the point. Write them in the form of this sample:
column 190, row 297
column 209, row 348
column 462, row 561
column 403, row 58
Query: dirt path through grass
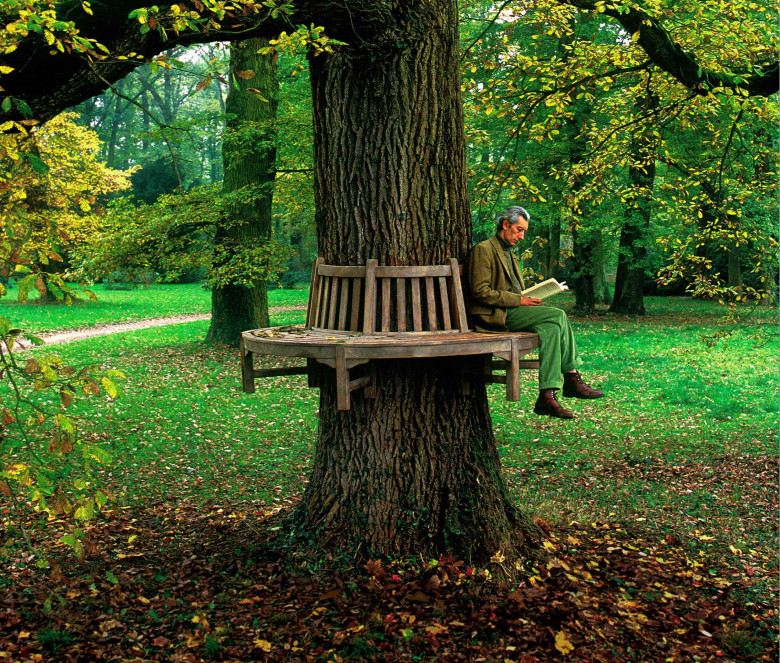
column 59, row 337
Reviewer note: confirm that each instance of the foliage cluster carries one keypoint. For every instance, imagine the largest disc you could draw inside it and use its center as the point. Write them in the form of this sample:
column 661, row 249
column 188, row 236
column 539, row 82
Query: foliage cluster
column 54, row 180
column 47, row 464
column 563, row 106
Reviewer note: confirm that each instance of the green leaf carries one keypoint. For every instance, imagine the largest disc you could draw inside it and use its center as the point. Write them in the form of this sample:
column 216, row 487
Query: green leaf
column 110, row 386
column 86, row 511
column 24, row 108
column 38, row 164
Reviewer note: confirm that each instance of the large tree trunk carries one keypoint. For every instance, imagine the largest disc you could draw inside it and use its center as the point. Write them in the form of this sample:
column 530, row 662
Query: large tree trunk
column 414, row 470
column 250, row 169
column 630, row 276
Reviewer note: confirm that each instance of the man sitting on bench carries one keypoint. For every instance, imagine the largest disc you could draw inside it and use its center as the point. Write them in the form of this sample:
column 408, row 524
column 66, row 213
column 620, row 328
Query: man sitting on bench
column 496, row 305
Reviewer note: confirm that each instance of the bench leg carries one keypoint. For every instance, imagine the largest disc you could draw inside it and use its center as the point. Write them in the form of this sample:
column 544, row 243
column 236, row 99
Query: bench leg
column 369, row 391
column 513, row 373
column 314, row 372
column 464, row 384
column 247, row 370
column 342, row 380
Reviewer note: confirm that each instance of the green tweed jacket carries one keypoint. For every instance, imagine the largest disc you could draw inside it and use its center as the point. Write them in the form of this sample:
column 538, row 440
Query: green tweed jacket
column 490, row 287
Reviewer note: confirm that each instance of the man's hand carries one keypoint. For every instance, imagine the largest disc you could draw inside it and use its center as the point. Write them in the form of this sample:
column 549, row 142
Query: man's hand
column 530, row 301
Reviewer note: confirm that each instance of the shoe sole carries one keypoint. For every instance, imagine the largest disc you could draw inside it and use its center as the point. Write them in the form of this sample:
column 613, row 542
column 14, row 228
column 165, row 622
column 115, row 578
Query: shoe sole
column 555, row 416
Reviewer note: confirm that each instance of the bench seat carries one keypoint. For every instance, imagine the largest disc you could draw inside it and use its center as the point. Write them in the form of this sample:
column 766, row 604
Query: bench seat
column 370, row 304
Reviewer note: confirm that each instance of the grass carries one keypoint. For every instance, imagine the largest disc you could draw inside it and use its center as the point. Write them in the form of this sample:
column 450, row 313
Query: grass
column 184, row 426
column 681, row 452
column 157, row 301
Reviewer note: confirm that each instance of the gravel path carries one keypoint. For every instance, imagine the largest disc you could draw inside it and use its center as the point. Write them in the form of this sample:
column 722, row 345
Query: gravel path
column 57, row 338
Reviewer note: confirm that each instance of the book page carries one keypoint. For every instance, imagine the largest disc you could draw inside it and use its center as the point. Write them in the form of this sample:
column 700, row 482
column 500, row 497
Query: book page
column 545, row 289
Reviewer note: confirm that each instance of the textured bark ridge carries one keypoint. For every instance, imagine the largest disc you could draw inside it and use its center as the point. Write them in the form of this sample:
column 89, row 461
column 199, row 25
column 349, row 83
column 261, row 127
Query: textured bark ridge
column 415, row 470
column 389, row 155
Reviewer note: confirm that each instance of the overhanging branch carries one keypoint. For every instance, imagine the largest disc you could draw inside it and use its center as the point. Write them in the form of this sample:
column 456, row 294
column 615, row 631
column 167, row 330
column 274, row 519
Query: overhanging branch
column 669, row 56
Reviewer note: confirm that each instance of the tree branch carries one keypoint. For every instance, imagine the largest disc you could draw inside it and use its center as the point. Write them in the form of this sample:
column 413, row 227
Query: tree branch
column 669, row 56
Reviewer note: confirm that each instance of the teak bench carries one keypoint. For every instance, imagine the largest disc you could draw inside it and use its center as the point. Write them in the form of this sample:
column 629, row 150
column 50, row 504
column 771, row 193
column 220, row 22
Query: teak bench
column 359, row 313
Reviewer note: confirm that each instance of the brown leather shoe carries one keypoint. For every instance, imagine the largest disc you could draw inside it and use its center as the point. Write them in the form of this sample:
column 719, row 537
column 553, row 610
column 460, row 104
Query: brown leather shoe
column 574, row 387
column 547, row 404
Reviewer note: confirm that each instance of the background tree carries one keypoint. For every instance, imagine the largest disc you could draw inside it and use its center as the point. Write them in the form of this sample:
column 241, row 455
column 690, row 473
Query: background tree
column 244, row 229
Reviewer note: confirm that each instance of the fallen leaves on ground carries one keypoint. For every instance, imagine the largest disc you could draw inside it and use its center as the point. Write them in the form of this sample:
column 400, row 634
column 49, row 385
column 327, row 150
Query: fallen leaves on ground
column 179, row 581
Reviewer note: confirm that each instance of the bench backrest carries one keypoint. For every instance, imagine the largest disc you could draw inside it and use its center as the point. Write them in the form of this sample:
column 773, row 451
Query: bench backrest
column 382, row 298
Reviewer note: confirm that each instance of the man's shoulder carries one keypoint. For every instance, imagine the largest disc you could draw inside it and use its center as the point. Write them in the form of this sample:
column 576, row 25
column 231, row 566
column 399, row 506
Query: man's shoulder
column 484, row 245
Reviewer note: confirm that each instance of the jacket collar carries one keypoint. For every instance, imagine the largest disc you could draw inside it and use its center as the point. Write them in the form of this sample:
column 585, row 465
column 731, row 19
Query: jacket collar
column 501, row 255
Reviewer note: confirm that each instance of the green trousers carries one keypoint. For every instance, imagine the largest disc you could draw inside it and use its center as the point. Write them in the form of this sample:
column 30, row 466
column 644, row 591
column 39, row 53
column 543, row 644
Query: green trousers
column 557, row 348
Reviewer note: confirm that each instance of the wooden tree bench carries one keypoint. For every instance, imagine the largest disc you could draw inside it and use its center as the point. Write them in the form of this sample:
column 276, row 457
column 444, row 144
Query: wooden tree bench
column 361, row 313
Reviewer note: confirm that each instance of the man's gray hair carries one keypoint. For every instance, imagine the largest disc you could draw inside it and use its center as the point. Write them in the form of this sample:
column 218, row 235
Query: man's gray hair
column 511, row 214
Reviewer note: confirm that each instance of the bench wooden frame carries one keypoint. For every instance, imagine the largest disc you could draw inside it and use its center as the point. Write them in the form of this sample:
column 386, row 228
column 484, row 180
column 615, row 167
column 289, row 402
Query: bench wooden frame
column 357, row 314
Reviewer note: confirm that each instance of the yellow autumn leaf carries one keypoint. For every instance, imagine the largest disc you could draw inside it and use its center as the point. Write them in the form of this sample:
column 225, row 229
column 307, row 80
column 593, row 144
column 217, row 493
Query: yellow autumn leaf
column 562, row 643
column 263, row 644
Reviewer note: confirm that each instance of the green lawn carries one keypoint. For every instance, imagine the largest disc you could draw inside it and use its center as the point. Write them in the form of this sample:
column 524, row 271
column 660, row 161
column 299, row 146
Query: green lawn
column 679, row 418
column 676, row 467
column 113, row 306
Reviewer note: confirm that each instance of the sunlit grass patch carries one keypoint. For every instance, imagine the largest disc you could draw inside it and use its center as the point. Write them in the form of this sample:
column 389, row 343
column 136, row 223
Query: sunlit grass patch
column 114, row 306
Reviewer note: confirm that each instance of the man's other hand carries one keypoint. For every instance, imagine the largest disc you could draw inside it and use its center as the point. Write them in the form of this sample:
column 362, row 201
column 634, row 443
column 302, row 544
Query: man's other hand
column 530, row 301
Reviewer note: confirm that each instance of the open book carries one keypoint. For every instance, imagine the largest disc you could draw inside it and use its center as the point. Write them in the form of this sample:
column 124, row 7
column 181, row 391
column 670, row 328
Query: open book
column 545, row 289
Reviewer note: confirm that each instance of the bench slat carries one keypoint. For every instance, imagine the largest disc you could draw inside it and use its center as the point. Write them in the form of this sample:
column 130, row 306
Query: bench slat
column 430, row 300
column 400, row 295
column 461, row 320
column 343, row 303
column 334, row 292
column 416, row 309
column 324, row 298
column 411, row 271
column 369, row 314
column 385, row 305
column 341, row 271
column 445, row 304
column 355, row 318
column 314, row 294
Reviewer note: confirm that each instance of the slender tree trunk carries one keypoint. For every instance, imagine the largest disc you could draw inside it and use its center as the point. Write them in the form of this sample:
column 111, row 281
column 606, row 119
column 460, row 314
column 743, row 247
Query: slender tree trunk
column 735, row 266
column 250, row 169
column 588, row 255
column 584, row 260
column 630, row 276
column 414, row 470
column 554, row 248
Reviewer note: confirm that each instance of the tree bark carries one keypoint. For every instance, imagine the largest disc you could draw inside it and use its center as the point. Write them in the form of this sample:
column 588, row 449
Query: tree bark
column 630, row 276
column 414, row 470
column 735, row 265
column 249, row 158
column 552, row 267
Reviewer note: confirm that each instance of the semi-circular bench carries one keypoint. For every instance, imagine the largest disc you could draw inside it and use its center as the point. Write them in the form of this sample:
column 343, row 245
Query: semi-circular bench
column 357, row 314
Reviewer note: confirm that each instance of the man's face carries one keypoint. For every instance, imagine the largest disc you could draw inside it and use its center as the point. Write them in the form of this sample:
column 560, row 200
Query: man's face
column 512, row 234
